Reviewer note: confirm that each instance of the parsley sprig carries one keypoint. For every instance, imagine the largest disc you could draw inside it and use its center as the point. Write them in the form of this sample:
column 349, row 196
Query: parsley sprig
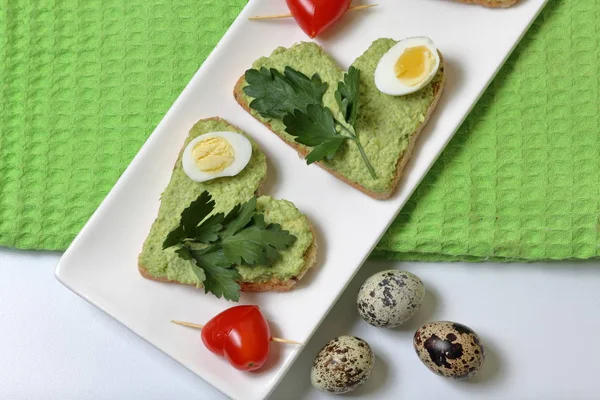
column 297, row 100
column 276, row 94
column 217, row 243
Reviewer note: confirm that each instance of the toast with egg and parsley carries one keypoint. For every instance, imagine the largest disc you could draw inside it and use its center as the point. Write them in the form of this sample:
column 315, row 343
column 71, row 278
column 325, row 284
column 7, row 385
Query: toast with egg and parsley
column 492, row 3
column 385, row 127
column 216, row 205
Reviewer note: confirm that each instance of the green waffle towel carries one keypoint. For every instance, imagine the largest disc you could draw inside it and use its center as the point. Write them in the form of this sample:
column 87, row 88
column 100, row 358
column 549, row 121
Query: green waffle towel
column 84, row 83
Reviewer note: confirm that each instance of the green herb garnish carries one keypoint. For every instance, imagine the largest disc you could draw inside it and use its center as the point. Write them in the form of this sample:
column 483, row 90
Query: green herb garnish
column 276, row 94
column 297, row 100
column 315, row 128
column 218, row 243
column 346, row 95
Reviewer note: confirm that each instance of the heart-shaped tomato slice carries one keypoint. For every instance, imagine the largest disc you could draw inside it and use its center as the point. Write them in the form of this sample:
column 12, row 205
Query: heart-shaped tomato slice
column 314, row 16
column 241, row 334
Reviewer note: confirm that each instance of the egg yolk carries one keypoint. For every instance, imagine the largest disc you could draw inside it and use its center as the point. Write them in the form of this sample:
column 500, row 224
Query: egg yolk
column 414, row 65
column 213, row 154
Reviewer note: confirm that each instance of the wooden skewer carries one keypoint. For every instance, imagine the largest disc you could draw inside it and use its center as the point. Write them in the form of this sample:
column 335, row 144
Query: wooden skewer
column 198, row 326
column 278, row 16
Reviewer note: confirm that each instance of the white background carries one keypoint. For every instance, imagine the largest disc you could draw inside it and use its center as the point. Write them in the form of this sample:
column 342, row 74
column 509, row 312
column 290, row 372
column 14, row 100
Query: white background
column 540, row 323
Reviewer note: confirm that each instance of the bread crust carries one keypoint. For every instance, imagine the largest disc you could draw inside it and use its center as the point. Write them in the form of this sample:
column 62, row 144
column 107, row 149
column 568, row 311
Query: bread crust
column 401, row 163
column 492, row 3
column 272, row 285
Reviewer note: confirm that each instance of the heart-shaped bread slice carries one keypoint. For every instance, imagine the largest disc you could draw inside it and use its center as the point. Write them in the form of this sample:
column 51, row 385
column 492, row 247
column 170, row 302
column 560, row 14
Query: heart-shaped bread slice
column 164, row 264
column 387, row 126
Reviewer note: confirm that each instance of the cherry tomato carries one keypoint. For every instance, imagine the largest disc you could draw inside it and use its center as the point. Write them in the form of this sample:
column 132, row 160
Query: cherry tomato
column 241, row 335
column 314, row 16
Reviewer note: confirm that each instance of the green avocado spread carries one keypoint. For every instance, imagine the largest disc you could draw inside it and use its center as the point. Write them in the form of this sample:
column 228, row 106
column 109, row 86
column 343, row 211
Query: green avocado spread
column 385, row 123
column 226, row 192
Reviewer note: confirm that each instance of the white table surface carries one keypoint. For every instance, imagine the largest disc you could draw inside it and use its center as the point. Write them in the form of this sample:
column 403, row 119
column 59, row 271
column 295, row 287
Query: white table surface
column 540, row 323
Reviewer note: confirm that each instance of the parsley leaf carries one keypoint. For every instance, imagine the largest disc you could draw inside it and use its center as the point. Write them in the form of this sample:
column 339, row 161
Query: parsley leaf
column 276, row 94
column 212, row 255
column 190, row 218
column 219, row 280
column 312, row 127
column 222, row 282
column 199, row 272
column 259, row 220
column 238, row 218
column 184, row 253
column 230, row 216
column 207, row 231
column 240, row 237
column 346, row 95
column 325, row 150
column 298, row 101
column 196, row 212
column 254, row 245
column 315, row 128
column 174, row 237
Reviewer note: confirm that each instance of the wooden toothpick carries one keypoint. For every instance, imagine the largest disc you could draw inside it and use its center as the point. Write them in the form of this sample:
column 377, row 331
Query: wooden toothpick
column 278, row 16
column 198, row 326
column 188, row 324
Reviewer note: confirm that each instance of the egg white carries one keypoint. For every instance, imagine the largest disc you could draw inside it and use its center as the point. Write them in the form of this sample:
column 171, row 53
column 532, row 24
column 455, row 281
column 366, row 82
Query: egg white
column 385, row 75
column 242, row 152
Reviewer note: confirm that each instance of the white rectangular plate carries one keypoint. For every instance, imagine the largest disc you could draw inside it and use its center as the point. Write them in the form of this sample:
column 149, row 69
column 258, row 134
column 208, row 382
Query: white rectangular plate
column 101, row 263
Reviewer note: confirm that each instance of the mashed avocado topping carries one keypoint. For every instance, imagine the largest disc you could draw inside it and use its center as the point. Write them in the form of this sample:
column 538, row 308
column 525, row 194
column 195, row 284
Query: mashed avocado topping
column 384, row 125
column 227, row 192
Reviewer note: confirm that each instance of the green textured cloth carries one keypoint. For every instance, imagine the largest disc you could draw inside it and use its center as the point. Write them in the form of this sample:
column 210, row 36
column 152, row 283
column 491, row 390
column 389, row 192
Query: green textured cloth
column 84, row 83
column 520, row 181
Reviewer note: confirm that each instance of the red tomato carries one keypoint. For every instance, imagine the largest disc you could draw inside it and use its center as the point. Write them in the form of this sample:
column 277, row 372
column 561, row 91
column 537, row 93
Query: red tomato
column 314, row 16
column 241, row 334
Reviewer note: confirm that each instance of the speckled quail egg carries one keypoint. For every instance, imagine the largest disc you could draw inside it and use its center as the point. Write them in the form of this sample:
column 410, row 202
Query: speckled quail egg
column 407, row 67
column 389, row 298
column 344, row 364
column 215, row 155
column 449, row 349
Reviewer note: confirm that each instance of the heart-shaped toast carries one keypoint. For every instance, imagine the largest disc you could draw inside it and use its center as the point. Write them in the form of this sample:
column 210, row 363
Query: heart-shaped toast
column 166, row 265
column 315, row 16
column 386, row 126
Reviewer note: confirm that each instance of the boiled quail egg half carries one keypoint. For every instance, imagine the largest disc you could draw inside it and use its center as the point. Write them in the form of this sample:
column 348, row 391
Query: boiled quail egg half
column 215, row 155
column 407, row 67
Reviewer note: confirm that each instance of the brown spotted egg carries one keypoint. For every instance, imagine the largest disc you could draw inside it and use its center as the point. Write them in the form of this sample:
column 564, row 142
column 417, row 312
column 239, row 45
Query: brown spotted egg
column 449, row 349
column 389, row 298
column 344, row 364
